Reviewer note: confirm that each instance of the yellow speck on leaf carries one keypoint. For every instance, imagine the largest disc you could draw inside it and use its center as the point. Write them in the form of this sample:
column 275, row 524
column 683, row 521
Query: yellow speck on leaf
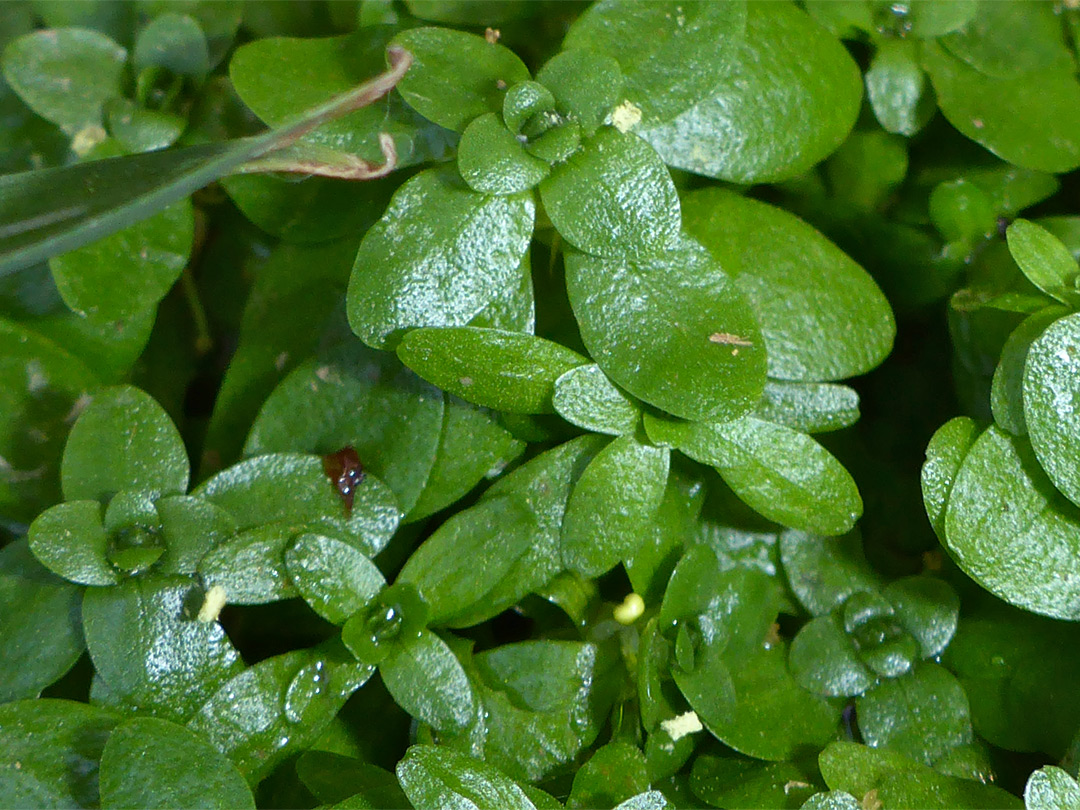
column 213, row 602
column 679, row 727
column 492, row 35
column 87, row 138
column 626, row 116
column 630, row 610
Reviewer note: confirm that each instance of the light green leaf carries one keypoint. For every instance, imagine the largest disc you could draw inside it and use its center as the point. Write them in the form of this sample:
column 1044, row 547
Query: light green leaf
column 1051, row 788
column 944, row 455
column 809, row 407
column 833, row 799
column 783, row 475
column 40, row 624
column 1011, row 531
column 157, row 764
column 65, row 75
column 150, row 650
column 1007, row 386
column 426, row 680
column 612, row 505
column 138, row 129
column 440, row 254
column 824, row 661
column 174, row 42
column 219, row 19
column 1046, row 262
column 674, row 330
column 70, row 540
column 923, row 713
column 584, row 396
column 613, row 774
column 57, row 744
column 123, row 440
column 250, row 565
column 353, row 396
column 1009, row 38
column 929, row 18
column 506, row 371
column 1051, row 390
column 440, row 777
column 493, row 161
column 897, row 87
column 822, row 315
column 333, row 577
column 455, row 76
column 123, row 275
column 613, row 197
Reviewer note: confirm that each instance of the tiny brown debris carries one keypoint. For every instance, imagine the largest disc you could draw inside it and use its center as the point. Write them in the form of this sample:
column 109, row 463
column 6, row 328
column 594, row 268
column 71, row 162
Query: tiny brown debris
column 492, row 35
column 500, row 84
column 932, row 560
column 772, row 637
column 345, row 471
column 466, row 381
column 870, row 800
column 728, row 339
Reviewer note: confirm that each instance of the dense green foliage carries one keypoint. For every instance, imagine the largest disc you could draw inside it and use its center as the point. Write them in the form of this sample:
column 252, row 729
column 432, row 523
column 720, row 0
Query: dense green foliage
column 447, row 403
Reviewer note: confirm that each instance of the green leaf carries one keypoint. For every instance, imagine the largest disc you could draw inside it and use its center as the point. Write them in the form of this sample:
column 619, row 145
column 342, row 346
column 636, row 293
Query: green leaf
column 1011, row 531
column 174, row 42
column 506, row 371
column 190, row 527
column 333, row 778
column 1010, row 38
column 440, row 254
column 455, row 76
column 70, row 540
column 783, row 475
column 723, row 90
column 493, row 161
column 123, row 440
column 612, row 505
column 1035, row 131
column 944, row 454
column 923, row 713
column 584, row 396
column 523, row 102
column 65, row 75
column 822, row 316
column 47, row 212
column 57, row 745
column 833, row 799
column 137, row 129
column 1046, row 262
column 897, row 88
column 809, row 407
column 614, row 773
column 927, row 608
column 672, row 330
column 40, row 624
column 293, row 489
column 353, row 396
column 151, row 651
column 730, row 782
column 472, row 446
column 470, row 554
column 823, row 659
column 824, row 571
column 586, row 86
column 440, row 777
column 333, row 577
column 277, row 708
column 250, row 565
column 427, row 680
column 281, row 77
column 1007, row 387
column 158, row 764
column 613, row 197
column 123, row 275
column 929, row 19
column 1051, row 788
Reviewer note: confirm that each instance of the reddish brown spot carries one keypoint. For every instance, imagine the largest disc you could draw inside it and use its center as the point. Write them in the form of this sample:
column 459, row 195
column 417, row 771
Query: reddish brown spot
column 345, row 471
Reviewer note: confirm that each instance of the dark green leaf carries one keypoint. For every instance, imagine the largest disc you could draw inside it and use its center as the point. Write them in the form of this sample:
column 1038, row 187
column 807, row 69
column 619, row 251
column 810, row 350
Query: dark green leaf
column 70, row 540
column 123, row 440
column 40, row 624
column 927, row 608
column 783, row 475
column 944, row 454
column 493, row 161
column 923, row 713
column 506, row 371
column 52, row 748
column 822, row 316
column 1007, row 387
column 673, row 330
column 455, row 76
column 1011, row 531
column 614, row 773
column 190, row 527
column 1009, row 38
column 65, row 75
column 1046, row 262
column 353, row 396
column 333, row 577
column 824, row 571
column 137, row 129
column 833, row 799
column 157, row 764
column 335, row 778
column 174, row 42
column 612, row 505
column 729, row 782
column 823, row 659
column 1051, row 788
column 586, row 86
column 585, row 397
column 440, row 254
column 522, row 102
column 613, row 197
column 809, row 407
column 151, row 651
column 426, row 680
column 276, row 708
column 250, row 565
column 440, row 777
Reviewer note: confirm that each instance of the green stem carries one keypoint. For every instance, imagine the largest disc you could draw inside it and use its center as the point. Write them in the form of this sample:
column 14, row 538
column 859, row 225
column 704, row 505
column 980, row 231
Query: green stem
column 203, row 341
